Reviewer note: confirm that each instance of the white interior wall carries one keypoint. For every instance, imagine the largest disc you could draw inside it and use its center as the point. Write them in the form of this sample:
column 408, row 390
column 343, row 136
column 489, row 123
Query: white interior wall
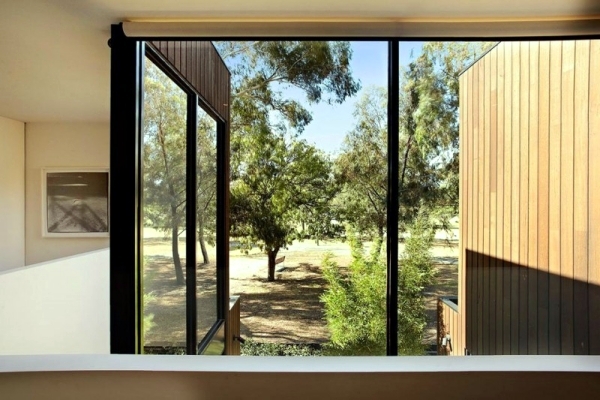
column 59, row 145
column 57, row 307
column 12, row 194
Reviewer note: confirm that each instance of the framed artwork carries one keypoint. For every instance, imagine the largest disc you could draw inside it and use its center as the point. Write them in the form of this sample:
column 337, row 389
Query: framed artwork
column 75, row 202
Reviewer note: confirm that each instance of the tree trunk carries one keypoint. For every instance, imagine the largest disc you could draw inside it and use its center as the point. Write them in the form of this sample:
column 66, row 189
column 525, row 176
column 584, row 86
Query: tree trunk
column 203, row 245
column 201, row 241
column 378, row 243
column 380, row 231
column 176, row 259
column 272, row 254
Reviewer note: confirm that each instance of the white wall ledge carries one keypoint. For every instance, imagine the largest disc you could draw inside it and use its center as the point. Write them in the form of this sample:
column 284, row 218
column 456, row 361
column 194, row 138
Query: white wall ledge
column 58, row 363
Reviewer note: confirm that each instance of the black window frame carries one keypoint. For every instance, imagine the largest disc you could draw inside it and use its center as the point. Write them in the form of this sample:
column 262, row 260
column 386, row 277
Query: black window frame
column 124, row 56
column 126, row 286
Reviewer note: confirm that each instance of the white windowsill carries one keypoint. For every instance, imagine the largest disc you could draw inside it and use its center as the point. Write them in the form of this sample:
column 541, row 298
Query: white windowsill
column 50, row 363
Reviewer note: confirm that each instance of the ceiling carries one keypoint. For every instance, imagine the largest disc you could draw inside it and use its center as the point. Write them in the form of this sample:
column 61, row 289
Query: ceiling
column 54, row 58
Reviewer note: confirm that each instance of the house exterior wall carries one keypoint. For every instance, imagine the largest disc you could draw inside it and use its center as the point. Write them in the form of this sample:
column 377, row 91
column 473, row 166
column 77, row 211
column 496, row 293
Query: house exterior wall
column 530, row 199
column 59, row 145
column 12, row 193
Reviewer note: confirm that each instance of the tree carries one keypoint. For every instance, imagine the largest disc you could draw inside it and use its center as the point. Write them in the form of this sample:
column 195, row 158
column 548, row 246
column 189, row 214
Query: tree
column 164, row 157
column 260, row 69
column 431, row 84
column 355, row 305
column 164, row 164
column 361, row 168
column 206, row 172
column 321, row 70
column 428, row 141
column 278, row 178
column 415, row 274
column 269, row 196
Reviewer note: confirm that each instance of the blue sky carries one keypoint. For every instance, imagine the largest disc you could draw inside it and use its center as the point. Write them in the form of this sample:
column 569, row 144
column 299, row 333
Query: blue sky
column 369, row 65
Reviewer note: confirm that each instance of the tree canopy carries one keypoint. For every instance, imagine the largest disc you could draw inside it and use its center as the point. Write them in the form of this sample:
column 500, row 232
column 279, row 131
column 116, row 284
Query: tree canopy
column 165, row 109
column 428, row 142
column 164, row 146
column 278, row 177
column 277, row 180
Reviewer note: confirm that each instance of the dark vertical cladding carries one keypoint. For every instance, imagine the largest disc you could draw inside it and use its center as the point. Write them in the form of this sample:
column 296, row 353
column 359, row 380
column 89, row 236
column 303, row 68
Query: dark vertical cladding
column 392, row 196
column 202, row 68
column 125, row 128
column 190, row 224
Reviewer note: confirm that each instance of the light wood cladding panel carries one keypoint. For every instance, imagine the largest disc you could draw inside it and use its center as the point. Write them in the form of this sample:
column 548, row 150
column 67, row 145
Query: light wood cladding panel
column 530, row 199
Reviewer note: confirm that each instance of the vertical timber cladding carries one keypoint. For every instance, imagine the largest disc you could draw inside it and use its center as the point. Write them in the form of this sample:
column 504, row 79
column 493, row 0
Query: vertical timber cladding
column 200, row 65
column 530, row 206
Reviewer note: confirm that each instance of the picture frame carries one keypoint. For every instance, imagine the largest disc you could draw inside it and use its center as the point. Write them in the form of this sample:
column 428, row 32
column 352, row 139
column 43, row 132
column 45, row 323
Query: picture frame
column 75, row 202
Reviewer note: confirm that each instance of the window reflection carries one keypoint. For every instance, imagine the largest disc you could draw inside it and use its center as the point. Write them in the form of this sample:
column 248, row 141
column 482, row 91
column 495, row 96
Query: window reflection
column 163, row 214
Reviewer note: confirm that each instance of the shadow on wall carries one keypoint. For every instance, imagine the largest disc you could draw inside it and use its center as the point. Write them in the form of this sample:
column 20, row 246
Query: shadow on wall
column 516, row 309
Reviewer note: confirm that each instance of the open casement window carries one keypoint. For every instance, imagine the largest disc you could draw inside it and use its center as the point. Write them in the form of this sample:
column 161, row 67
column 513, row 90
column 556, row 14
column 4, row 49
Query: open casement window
column 177, row 300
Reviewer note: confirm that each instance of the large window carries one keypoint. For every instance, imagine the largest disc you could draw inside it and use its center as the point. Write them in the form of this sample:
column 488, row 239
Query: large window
column 478, row 200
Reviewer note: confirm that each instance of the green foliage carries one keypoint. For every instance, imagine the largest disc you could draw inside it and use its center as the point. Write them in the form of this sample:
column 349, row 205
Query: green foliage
column 279, row 178
column 164, row 144
column 355, row 300
column 206, row 179
column 361, row 168
column 253, row 348
column 278, row 181
column 261, row 69
column 165, row 109
column 415, row 274
column 430, row 93
column 355, row 305
column 428, row 142
column 148, row 323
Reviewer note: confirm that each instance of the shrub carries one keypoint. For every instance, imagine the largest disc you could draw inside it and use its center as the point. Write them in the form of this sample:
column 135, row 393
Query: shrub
column 355, row 301
column 415, row 273
column 252, row 348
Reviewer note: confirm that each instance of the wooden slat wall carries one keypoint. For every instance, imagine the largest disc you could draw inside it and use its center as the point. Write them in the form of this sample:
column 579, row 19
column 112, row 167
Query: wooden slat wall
column 199, row 64
column 530, row 199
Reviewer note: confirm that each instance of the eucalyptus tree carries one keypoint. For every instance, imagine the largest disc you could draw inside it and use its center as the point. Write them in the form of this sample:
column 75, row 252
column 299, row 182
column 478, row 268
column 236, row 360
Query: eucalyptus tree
column 260, row 113
column 164, row 133
column 277, row 180
column 428, row 142
column 279, row 176
column 165, row 111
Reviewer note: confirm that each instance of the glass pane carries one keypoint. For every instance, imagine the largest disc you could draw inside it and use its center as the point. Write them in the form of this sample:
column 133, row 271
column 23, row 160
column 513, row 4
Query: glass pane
column 428, row 278
column 163, row 214
column 308, row 195
column 206, row 223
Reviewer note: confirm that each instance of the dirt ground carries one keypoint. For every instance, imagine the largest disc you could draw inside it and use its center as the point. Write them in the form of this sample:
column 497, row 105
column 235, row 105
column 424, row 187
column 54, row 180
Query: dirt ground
column 285, row 311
